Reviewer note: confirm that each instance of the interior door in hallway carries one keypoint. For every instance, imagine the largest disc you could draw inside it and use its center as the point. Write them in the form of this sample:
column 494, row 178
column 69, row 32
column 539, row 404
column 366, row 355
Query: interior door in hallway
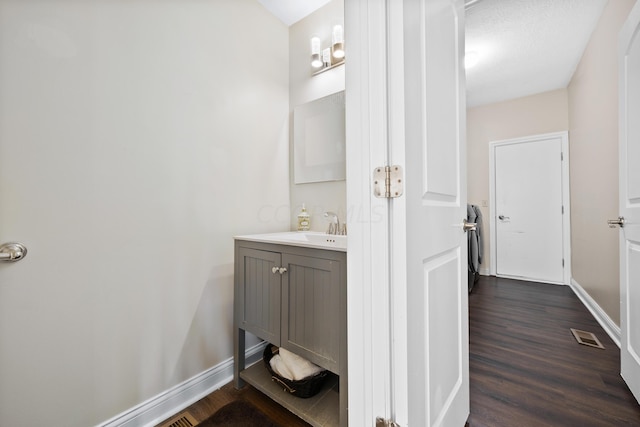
column 630, row 200
column 529, row 209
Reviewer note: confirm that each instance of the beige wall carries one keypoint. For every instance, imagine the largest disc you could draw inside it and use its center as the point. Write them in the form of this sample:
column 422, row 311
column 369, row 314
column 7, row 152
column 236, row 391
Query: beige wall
column 593, row 121
column 149, row 133
column 531, row 115
column 303, row 87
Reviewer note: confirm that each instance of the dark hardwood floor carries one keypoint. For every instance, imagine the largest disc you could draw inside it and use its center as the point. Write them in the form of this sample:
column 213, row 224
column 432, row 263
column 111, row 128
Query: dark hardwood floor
column 525, row 366
column 206, row 406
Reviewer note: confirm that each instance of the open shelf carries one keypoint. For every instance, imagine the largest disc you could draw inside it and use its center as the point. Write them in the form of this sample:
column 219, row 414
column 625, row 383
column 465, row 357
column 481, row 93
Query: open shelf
column 321, row 410
column 322, row 70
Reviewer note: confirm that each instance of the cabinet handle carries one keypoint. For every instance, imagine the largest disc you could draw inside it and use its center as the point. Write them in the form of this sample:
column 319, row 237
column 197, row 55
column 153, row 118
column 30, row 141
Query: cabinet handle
column 280, row 270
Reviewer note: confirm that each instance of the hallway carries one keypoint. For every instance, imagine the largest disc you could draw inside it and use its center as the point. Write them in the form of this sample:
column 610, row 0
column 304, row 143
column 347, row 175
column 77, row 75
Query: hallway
column 527, row 369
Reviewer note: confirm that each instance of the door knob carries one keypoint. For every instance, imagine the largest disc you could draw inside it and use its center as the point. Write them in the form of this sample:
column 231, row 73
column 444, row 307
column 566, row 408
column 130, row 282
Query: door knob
column 11, row 252
column 502, row 217
column 616, row 222
column 468, row 226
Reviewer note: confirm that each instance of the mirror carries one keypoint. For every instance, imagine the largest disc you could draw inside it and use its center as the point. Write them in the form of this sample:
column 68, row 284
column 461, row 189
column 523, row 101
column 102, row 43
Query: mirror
column 319, row 140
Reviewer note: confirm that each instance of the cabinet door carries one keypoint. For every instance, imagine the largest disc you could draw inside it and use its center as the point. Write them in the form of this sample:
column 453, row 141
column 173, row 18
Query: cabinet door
column 260, row 293
column 311, row 309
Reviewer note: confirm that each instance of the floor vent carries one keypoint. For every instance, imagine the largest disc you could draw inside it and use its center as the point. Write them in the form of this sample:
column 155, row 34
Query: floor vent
column 183, row 419
column 586, row 338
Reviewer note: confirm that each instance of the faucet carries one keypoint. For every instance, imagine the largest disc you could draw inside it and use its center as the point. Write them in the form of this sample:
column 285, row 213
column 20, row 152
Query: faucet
column 334, row 224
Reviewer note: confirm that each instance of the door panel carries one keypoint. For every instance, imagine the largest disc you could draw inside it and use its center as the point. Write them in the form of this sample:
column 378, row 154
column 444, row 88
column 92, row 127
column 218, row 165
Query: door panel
column 436, row 355
column 633, row 300
column 311, row 309
column 444, row 364
column 528, row 209
column 261, row 296
column 630, row 200
column 440, row 115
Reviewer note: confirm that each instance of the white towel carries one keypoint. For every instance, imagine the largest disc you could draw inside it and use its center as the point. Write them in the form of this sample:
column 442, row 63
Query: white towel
column 279, row 367
column 299, row 367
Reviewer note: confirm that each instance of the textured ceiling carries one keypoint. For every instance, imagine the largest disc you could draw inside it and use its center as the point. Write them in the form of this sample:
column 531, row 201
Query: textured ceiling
column 526, row 46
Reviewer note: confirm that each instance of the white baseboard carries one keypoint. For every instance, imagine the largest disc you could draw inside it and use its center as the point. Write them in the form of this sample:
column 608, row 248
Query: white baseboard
column 177, row 398
column 484, row 272
column 603, row 318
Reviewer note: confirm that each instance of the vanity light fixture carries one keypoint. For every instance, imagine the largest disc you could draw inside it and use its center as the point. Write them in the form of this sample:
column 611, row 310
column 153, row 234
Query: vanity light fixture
column 337, row 41
column 316, row 60
column 329, row 57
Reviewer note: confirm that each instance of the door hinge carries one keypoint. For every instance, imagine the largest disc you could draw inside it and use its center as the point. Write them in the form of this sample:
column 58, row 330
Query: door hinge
column 563, row 210
column 561, row 156
column 385, row 422
column 563, row 262
column 388, row 182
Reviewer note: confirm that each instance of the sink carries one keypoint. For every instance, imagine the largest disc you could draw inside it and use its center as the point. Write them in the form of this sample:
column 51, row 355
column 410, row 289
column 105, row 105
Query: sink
column 311, row 239
column 322, row 239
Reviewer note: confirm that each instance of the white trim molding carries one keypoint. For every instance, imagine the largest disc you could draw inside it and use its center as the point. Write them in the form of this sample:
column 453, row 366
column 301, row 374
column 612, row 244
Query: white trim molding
column 600, row 315
column 368, row 267
column 177, row 398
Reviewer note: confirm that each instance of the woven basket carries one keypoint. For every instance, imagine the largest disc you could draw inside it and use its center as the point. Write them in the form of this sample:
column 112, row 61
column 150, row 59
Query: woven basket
column 301, row 388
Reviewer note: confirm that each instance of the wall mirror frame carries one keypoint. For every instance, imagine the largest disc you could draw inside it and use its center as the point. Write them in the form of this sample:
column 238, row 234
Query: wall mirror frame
column 319, row 140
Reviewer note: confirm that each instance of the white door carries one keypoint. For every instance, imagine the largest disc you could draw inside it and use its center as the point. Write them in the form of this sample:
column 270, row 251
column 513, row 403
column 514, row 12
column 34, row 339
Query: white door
column 407, row 293
column 429, row 254
column 630, row 200
column 528, row 207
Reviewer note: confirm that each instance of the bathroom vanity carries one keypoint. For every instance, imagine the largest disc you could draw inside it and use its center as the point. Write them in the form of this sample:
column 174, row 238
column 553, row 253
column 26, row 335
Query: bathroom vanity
column 291, row 290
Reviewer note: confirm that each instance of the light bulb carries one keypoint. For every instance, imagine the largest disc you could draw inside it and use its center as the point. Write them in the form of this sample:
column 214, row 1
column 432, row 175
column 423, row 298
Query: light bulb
column 337, row 41
column 337, row 34
column 316, row 60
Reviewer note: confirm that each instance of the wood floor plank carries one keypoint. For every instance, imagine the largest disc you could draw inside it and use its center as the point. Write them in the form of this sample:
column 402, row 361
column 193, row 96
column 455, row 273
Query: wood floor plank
column 526, row 368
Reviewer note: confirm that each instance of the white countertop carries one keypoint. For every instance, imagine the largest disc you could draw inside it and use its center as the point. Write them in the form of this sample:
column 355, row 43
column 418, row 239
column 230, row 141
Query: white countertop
column 307, row 239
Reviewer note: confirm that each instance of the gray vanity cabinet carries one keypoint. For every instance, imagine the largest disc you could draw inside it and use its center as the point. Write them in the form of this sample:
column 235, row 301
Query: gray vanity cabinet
column 295, row 298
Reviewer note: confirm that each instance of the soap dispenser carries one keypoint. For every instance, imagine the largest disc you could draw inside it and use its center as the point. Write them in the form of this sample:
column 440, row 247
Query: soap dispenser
column 304, row 221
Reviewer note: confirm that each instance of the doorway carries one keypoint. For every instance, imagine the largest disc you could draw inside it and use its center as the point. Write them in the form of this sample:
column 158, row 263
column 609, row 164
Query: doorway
column 529, row 201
